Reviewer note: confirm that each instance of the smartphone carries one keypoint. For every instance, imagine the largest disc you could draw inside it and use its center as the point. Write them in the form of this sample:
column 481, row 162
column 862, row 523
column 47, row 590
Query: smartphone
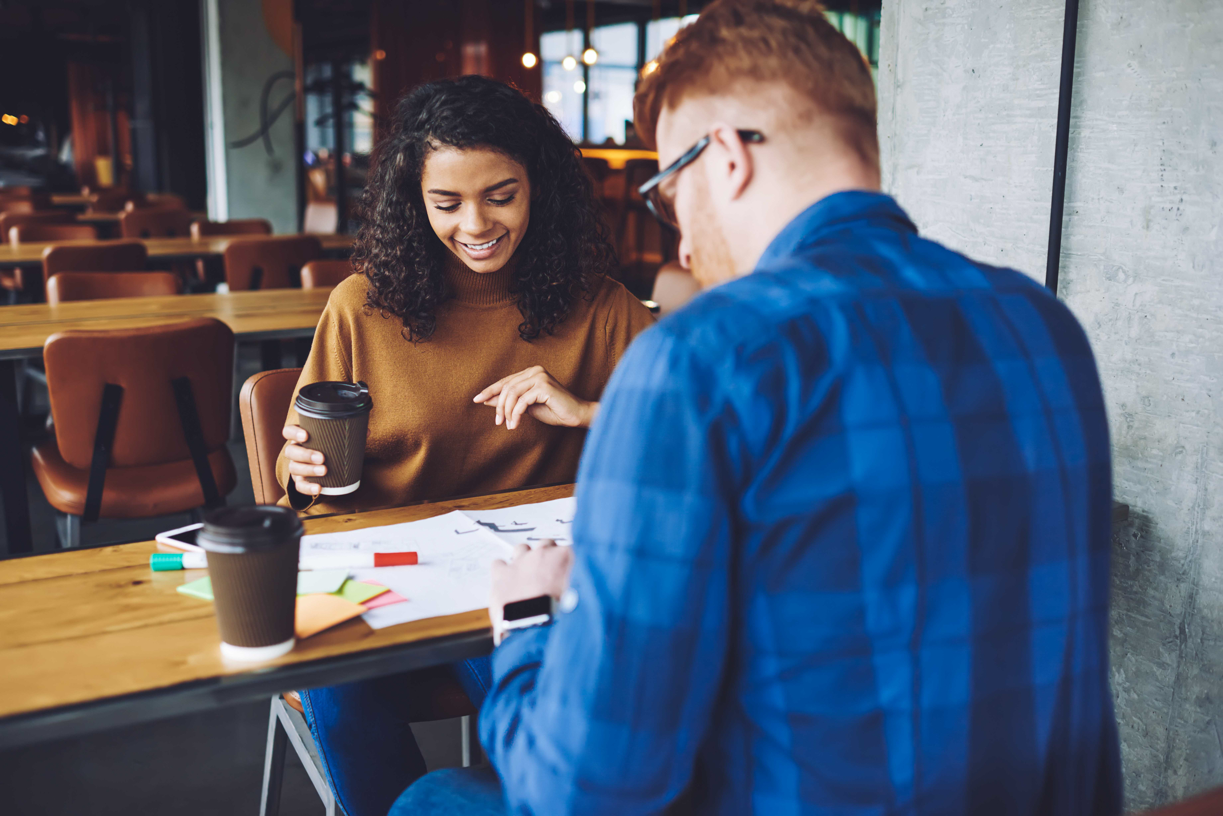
column 182, row 539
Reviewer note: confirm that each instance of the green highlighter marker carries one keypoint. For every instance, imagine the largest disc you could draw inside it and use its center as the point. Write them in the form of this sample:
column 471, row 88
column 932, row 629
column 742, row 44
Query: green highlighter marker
column 163, row 562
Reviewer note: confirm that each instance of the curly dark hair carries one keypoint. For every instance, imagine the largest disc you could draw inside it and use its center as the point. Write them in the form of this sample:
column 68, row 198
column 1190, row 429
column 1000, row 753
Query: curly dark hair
column 566, row 247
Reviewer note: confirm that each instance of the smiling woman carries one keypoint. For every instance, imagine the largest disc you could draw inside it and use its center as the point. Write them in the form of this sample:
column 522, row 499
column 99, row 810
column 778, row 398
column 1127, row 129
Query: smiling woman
column 483, row 284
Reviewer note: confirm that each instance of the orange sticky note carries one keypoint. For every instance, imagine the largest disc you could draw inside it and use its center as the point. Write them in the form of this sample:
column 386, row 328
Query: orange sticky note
column 322, row 611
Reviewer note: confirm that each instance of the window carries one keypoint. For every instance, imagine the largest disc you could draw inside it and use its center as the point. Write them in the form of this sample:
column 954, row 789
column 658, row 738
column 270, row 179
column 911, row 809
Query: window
column 861, row 29
column 613, row 81
column 659, row 32
column 563, row 87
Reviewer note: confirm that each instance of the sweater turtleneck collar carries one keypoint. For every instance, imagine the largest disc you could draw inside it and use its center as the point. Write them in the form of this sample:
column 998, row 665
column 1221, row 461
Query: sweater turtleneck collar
column 479, row 288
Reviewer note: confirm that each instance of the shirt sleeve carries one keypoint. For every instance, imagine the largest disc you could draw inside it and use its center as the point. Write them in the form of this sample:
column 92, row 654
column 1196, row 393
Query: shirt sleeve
column 330, row 359
column 604, row 711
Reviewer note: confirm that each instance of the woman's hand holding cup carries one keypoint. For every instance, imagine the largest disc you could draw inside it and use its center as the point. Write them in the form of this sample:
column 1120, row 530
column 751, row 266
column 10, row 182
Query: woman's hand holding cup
column 303, row 462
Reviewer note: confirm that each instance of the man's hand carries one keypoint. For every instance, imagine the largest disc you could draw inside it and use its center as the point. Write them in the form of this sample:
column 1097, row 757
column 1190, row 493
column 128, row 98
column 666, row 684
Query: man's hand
column 536, row 391
column 543, row 570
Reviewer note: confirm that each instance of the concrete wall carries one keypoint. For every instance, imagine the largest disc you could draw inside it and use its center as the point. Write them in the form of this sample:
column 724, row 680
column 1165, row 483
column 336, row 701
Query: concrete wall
column 968, row 105
column 240, row 56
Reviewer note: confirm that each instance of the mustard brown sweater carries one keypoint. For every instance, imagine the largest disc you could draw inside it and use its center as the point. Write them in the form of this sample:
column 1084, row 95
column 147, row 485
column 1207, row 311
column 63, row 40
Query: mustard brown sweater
column 427, row 439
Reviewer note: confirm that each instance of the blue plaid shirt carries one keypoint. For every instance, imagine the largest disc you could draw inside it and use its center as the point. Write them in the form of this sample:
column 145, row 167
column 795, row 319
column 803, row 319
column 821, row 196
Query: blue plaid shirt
column 842, row 547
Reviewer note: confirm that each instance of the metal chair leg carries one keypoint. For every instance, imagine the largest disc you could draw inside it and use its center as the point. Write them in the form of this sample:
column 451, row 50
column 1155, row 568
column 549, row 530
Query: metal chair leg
column 298, row 731
column 273, row 763
column 472, row 754
column 69, row 529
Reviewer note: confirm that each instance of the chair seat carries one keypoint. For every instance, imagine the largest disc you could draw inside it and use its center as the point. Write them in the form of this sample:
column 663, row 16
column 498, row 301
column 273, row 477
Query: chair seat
column 132, row 492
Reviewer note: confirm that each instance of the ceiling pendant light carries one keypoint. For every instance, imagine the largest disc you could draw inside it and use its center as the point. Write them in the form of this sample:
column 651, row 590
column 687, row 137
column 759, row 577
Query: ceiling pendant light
column 529, row 60
column 569, row 62
column 590, row 56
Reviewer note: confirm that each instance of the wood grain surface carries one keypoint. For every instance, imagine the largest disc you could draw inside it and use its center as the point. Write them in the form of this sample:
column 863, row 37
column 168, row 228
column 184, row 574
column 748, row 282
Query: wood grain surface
column 89, row 625
column 159, row 248
column 24, row 329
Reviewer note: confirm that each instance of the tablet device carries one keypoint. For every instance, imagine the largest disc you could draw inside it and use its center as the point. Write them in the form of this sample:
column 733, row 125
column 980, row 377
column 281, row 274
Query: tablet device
column 181, row 539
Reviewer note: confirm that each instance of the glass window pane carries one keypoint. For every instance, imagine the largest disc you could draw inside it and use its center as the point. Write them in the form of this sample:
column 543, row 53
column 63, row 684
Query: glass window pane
column 616, row 44
column 611, row 101
column 560, row 95
column 658, row 32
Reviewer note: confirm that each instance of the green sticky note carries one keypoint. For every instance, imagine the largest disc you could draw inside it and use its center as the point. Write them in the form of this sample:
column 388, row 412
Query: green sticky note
column 320, row 581
column 358, row 592
column 201, row 588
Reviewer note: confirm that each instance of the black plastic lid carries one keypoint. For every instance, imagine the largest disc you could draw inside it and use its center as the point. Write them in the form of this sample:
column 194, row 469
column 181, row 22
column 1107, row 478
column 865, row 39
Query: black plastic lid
column 334, row 400
column 249, row 529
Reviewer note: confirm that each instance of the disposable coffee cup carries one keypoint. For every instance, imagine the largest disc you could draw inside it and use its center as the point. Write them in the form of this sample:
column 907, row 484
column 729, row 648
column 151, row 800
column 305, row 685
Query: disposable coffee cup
column 336, row 416
column 252, row 561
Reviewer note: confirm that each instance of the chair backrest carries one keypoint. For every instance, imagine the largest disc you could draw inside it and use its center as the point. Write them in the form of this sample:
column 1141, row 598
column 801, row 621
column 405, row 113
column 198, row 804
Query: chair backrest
column 321, row 218
column 38, row 233
column 104, row 256
column 241, row 226
column 145, row 363
column 264, row 407
column 161, row 201
column 598, row 168
column 8, row 220
column 111, row 201
column 155, row 222
column 18, row 191
column 67, row 286
column 274, row 262
column 18, row 205
column 322, row 274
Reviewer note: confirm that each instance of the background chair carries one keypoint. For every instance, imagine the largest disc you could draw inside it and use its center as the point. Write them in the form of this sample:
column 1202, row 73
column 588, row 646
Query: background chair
column 274, row 262
column 435, row 694
column 112, row 200
column 240, row 226
column 155, row 222
column 69, row 286
column 8, row 220
column 141, row 420
column 164, row 201
column 323, row 274
column 40, row 233
column 104, row 256
column 27, row 281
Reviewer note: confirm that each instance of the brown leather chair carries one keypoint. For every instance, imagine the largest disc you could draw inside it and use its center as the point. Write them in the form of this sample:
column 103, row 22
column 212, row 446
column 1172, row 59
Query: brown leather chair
column 1204, row 804
column 433, row 693
column 42, row 233
column 20, row 205
column 8, row 220
column 112, row 201
column 28, row 280
column 325, row 274
column 155, row 222
column 68, row 286
column 264, row 404
column 241, row 226
column 162, row 201
column 161, row 396
column 274, row 262
column 103, row 256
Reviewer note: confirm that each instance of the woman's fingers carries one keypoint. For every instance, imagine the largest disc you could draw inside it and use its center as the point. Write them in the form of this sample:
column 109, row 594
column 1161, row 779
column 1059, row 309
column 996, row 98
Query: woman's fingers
column 521, row 405
column 296, row 453
column 496, row 388
column 295, row 433
column 302, row 469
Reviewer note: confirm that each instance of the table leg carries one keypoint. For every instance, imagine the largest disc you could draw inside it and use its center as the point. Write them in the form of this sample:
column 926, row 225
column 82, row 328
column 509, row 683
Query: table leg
column 12, row 466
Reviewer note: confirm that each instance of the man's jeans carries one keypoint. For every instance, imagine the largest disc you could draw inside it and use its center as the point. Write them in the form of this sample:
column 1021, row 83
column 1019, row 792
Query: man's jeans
column 363, row 737
column 453, row 792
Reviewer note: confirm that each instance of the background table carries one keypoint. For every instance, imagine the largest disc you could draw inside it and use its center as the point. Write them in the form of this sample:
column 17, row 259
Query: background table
column 93, row 639
column 270, row 314
column 166, row 249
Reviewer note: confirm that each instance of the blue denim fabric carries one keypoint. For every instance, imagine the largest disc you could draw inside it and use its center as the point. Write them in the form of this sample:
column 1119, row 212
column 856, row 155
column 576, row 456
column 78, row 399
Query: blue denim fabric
column 363, row 739
column 453, row 792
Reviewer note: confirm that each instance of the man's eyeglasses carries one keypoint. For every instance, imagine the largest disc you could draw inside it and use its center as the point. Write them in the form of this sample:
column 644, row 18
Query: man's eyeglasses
column 650, row 191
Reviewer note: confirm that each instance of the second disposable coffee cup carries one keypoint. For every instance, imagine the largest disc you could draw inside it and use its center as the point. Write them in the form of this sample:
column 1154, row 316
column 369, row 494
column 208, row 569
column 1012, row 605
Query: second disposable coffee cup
column 252, row 561
column 336, row 416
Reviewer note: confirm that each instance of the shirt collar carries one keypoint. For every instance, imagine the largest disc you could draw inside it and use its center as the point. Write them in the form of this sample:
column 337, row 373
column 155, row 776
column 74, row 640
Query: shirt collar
column 835, row 212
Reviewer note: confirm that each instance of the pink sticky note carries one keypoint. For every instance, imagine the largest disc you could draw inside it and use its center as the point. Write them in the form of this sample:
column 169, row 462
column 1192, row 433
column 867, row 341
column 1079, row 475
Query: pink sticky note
column 385, row 599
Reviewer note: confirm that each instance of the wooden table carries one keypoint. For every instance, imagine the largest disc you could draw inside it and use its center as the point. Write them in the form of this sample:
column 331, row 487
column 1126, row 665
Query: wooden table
column 93, row 639
column 272, row 314
column 166, row 249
